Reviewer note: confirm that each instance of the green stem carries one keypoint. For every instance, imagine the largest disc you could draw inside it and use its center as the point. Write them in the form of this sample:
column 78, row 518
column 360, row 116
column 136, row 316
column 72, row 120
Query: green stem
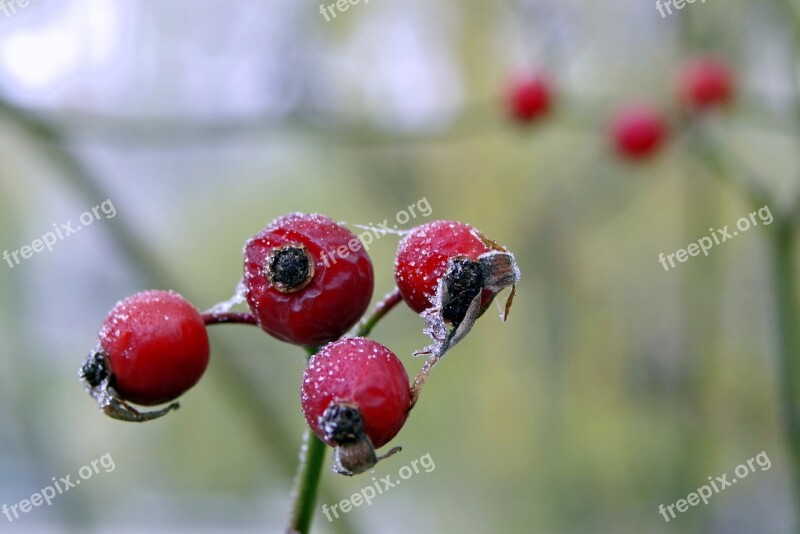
column 306, row 481
column 785, row 294
column 309, row 472
column 381, row 309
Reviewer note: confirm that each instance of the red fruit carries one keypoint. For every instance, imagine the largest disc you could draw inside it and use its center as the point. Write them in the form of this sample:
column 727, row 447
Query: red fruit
column 153, row 346
column 308, row 279
column 639, row 131
column 449, row 272
column 529, row 99
column 423, row 255
column 705, row 82
column 363, row 374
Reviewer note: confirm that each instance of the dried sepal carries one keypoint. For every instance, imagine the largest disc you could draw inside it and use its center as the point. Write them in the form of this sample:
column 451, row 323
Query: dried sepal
column 95, row 373
column 457, row 301
column 343, row 427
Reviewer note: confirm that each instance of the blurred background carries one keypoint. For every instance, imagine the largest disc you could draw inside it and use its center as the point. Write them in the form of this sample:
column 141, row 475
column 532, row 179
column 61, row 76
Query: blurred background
column 614, row 387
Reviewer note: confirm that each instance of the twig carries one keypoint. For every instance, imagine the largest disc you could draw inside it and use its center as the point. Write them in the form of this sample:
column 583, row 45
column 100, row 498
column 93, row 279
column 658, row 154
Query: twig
column 379, row 312
column 211, row 318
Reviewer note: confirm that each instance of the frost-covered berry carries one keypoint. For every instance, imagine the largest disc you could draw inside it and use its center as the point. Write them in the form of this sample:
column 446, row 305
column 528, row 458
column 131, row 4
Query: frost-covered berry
column 355, row 397
column 451, row 272
column 152, row 347
column 308, row 279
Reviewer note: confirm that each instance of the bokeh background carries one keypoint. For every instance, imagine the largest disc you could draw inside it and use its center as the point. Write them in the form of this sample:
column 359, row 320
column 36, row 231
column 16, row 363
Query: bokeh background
column 613, row 388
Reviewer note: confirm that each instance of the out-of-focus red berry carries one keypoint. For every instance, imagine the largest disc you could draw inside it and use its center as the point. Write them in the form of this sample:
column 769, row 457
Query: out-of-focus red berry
column 639, row 131
column 705, row 82
column 529, row 98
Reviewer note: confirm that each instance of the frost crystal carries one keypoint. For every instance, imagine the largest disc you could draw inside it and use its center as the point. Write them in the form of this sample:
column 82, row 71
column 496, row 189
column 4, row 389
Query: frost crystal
column 225, row 306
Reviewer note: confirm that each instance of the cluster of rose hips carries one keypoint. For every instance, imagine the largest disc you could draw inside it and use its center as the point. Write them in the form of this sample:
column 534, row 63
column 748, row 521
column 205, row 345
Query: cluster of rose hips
column 308, row 281
column 638, row 130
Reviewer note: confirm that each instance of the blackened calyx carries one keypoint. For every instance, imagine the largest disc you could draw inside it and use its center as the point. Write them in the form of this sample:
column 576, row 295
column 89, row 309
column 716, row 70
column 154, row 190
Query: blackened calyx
column 462, row 283
column 290, row 268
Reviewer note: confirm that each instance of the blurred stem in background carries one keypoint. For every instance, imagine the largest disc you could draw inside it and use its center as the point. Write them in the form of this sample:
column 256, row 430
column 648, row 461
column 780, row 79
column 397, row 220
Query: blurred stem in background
column 783, row 234
column 785, row 288
column 32, row 438
column 785, row 295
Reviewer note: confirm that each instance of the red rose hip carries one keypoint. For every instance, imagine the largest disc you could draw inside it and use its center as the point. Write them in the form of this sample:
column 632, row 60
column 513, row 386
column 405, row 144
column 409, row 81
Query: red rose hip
column 308, row 279
column 639, row 131
column 152, row 348
column 355, row 397
column 450, row 272
column 529, row 98
column 425, row 253
column 704, row 83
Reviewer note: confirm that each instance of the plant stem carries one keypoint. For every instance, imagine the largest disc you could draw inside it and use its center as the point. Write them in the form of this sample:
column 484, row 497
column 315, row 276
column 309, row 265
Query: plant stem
column 419, row 381
column 304, row 495
column 229, row 317
column 788, row 321
column 381, row 309
column 306, row 482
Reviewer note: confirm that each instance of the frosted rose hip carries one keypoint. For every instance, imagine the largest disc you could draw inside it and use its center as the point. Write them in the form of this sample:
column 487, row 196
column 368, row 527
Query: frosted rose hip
column 152, row 348
column 362, row 373
column 423, row 255
column 308, row 279
column 156, row 346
